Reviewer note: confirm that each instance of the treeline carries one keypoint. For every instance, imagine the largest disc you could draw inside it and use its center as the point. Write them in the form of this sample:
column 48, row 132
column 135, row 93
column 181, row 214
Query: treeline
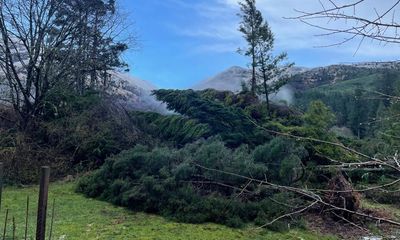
column 56, row 45
column 361, row 104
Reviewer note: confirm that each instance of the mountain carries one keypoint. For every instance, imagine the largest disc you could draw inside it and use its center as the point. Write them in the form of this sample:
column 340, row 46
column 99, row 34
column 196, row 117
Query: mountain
column 232, row 78
column 301, row 78
column 350, row 92
column 333, row 74
column 134, row 93
column 134, row 81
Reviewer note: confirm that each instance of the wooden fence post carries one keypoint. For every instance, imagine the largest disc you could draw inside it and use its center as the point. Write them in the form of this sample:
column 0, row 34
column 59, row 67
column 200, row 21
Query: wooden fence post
column 42, row 206
column 1, row 182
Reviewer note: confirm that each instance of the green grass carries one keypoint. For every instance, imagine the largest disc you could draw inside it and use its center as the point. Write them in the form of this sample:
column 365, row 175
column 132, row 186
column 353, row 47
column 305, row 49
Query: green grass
column 367, row 83
column 78, row 217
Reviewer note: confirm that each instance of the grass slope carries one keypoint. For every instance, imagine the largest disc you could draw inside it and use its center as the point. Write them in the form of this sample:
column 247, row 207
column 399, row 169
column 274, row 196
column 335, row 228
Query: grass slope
column 349, row 86
column 78, row 217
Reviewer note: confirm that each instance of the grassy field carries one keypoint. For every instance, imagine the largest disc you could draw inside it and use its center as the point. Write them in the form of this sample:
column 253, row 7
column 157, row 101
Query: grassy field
column 78, row 217
column 349, row 86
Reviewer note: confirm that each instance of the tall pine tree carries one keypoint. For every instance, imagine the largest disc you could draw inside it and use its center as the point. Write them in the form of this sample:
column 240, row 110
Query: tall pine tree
column 250, row 25
column 260, row 41
column 269, row 69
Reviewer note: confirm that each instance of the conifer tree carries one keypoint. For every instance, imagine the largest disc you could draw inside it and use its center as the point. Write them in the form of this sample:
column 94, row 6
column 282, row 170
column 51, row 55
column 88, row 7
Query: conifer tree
column 269, row 69
column 260, row 41
column 249, row 27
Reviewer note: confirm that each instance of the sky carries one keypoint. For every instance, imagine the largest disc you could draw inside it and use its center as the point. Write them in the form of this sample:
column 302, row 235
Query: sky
column 182, row 42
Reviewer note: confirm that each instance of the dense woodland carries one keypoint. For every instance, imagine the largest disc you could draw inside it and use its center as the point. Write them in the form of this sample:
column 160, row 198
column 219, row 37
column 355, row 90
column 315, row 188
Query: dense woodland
column 217, row 156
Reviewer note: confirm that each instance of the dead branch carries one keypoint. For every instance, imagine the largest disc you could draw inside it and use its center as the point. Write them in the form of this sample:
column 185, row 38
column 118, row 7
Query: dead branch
column 290, row 214
column 350, row 222
column 381, row 26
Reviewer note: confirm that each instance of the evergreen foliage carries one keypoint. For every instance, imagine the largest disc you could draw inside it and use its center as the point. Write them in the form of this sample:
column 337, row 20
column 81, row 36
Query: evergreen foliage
column 168, row 181
column 269, row 69
column 232, row 123
column 264, row 64
column 171, row 128
column 250, row 25
column 53, row 44
column 317, row 123
column 354, row 102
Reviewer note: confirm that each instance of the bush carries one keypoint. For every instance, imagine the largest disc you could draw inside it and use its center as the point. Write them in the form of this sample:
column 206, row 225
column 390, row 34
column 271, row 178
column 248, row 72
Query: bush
column 176, row 184
column 22, row 157
column 283, row 158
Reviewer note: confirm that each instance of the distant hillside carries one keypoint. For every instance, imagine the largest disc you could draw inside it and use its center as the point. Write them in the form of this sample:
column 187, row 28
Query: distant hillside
column 302, row 78
column 345, row 88
column 339, row 73
column 351, row 95
column 232, row 78
column 229, row 79
column 135, row 93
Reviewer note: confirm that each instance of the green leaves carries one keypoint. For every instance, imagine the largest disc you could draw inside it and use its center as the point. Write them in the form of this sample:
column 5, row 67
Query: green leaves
column 318, row 116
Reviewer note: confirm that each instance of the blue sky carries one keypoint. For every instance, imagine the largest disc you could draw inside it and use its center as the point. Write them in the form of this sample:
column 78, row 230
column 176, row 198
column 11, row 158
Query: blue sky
column 182, row 42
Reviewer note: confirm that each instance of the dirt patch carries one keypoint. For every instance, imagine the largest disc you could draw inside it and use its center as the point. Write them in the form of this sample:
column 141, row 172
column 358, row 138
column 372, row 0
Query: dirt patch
column 355, row 229
column 327, row 226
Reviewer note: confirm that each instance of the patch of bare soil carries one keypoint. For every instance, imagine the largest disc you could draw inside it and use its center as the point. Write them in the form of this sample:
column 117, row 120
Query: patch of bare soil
column 357, row 228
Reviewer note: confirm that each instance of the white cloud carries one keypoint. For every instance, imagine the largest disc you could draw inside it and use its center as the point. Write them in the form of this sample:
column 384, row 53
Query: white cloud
column 218, row 22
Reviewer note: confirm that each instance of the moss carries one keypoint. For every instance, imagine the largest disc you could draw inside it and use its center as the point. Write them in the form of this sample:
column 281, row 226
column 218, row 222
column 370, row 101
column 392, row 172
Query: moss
column 81, row 218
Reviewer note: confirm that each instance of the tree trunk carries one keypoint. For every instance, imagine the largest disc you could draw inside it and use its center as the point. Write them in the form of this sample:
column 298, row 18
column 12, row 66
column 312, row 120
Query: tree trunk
column 266, row 93
column 93, row 58
column 253, row 76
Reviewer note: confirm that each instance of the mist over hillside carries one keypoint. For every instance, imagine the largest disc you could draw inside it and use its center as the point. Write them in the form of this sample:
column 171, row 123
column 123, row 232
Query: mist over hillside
column 131, row 92
column 135, row 94
column 302, row 78
column 232, row 79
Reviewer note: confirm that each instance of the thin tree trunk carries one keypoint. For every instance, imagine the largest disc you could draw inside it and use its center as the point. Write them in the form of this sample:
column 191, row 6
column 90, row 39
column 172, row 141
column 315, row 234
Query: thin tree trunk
column 93, row 60
column 253, row 77
column 266, row 93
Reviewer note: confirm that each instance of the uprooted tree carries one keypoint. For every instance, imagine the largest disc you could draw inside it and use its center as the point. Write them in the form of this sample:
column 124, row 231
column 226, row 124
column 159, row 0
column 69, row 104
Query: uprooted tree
column 289, row 166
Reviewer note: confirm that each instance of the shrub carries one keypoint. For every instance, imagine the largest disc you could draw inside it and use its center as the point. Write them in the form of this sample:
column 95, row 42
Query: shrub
column 283, row 158
column 170, row 182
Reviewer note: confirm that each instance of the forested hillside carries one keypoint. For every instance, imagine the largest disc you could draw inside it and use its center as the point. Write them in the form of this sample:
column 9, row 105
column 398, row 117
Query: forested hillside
column 360, row 100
